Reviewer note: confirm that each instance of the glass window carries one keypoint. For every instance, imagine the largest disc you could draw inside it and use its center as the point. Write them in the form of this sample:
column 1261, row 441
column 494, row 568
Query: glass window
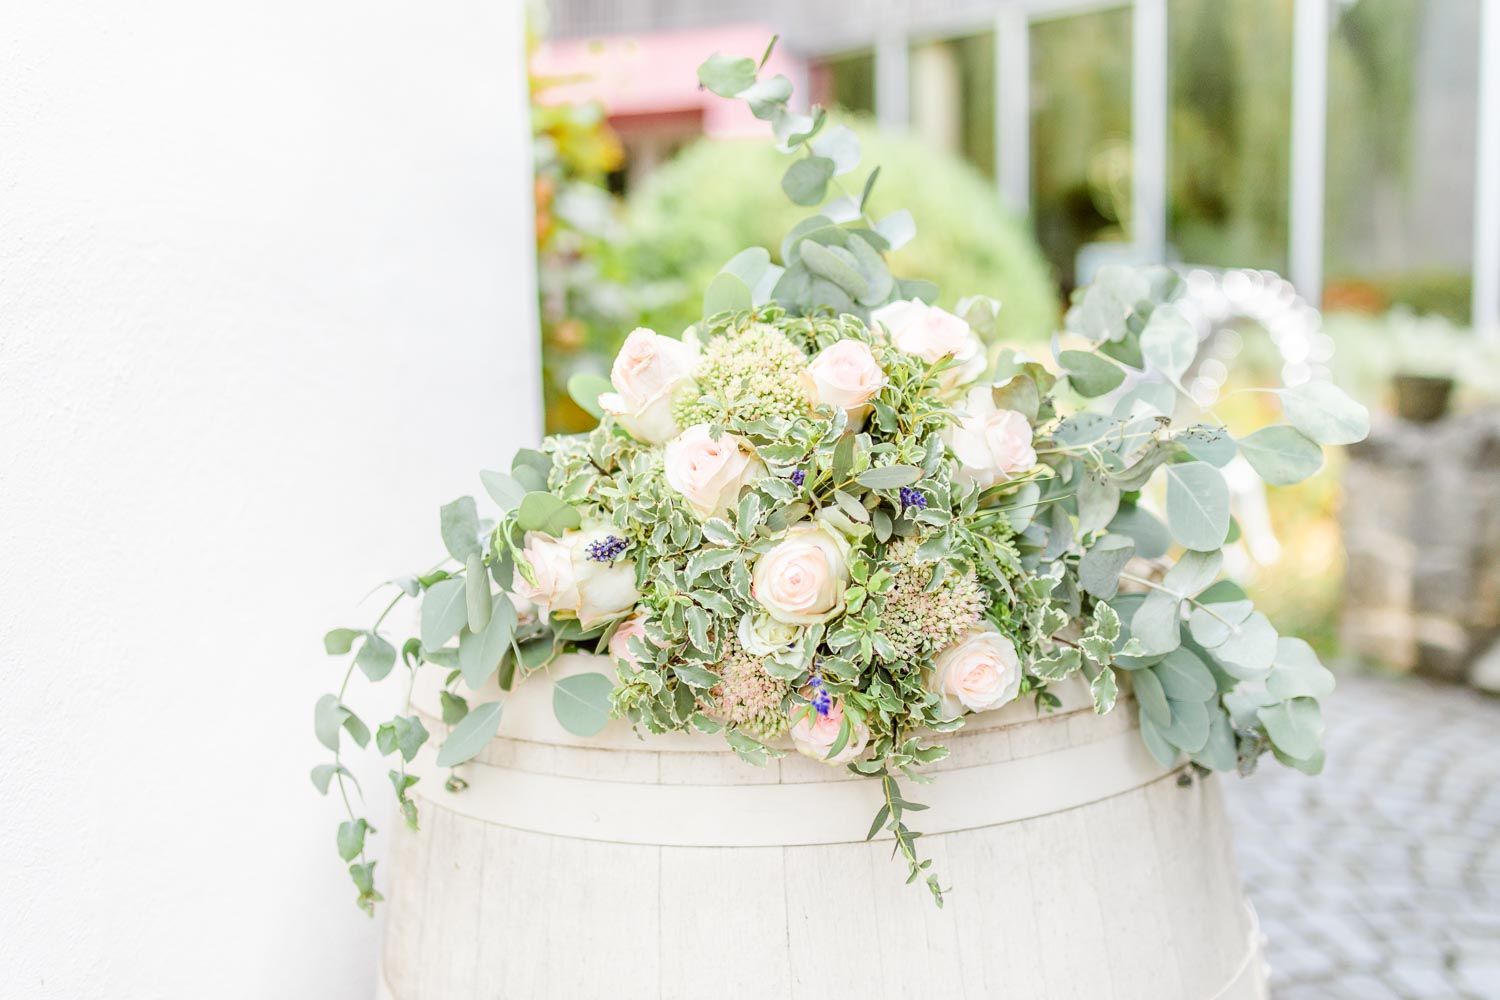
column 953, row 97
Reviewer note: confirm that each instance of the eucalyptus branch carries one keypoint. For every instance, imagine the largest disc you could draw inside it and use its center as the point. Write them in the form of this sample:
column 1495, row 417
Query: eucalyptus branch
column 1206, row 609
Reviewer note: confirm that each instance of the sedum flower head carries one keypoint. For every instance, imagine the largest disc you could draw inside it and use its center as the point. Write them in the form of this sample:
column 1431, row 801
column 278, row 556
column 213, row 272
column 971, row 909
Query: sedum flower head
column 750, row 375
column 919, row 621
column 747, row 696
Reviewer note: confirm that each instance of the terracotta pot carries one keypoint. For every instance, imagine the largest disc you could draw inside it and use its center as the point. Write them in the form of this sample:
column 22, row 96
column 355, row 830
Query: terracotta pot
column 667, row 867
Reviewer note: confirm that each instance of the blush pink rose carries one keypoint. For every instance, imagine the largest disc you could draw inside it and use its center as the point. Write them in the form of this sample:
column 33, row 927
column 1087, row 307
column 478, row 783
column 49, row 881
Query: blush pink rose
column 846, row 376
column 992, row 445
column 802, row 580
column 648, row 375
column 814, row 734
column 710, row 474
column 570, row 584
column 633, row 627
column 979, row 672
column 933, row 334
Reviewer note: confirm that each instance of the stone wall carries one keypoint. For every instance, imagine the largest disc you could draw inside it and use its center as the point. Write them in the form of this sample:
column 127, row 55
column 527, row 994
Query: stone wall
column 1421, row 523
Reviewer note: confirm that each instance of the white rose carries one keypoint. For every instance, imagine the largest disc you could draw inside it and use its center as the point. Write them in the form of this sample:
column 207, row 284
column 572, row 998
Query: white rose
column 649, row 374
column 569, row 582
column 979, row 672
column 802, row 580
column 551, row 562
column 933, row 334
column 762, row 635
column 992, row 445
column 814, row 734
column 633, row 627
column 846, row 376
column 709, row 474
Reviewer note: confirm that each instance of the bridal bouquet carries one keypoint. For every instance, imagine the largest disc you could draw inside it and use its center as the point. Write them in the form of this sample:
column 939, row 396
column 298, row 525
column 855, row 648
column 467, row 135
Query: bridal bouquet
column 829, row 518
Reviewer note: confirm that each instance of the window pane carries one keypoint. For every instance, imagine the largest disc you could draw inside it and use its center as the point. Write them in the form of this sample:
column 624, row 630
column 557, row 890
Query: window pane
column 1403, row 79
column 953, row 97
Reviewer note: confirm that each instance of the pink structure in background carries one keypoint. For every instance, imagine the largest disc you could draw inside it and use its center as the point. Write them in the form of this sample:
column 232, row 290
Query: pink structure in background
column 648, row 85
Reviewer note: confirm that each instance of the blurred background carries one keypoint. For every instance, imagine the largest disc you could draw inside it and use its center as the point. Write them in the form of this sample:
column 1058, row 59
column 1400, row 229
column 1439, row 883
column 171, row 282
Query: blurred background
column 1326, row 173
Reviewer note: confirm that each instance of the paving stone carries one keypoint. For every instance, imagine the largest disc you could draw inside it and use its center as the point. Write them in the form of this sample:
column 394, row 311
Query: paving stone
column 1381, row 878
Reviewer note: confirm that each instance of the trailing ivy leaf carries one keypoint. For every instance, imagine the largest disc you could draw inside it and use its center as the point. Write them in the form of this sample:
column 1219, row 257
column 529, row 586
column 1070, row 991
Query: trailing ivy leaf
column 581, row 702
column 351, row 838
column 470, row 735
column 889, row 477
column 697, row 625
column 695, row 675
column 1197, row 505
column 444, row 612
column 454, row 707
column 546, row 513
column 1104, row 690
column 1325, row 413
column 323, row 775
column 727, row 76
column 1295, row 727
column 376, row 657
column 460, row 526
column 585, row 388
column 503, row 489
column 1090, row 374
column 1099, row 569
column 806, row 180
column 1058, row 665
column 340, row 640
column 1281, row 455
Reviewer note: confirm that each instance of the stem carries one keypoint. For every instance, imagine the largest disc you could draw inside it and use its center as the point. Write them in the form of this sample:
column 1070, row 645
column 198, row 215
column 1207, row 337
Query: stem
column 1233, row 628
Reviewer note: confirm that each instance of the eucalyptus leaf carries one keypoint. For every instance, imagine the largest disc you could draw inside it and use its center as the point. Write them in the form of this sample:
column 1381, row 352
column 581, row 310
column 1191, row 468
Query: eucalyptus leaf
column 1152, row 698
column 1212, row 623
column 1090, row 374
column 727, row 76
column 889, row 477
column 1099, row 569
column 1164, row 753
column 897, row 229
column 585, row 388
column 1248, row 652
column 504, row 489
column 581, row 702
column 479, row 654
column 546, row 513
column 1193, row 572
column 1190, row 726
column 471, row 734
column 1296, row 672
column 1197, row 505
column 1220, row 753
column 1281, row 455
column 340, row 640
column 460, row 528
column 726, row 293
column 444, row 612
column 476, row 593
column 1295, row 727
column 1184, row 677
column 1169, row 342
column 1156, row 624
column 1325, row 413
column 376, row 657
column 806, row 180
column 1151, row 537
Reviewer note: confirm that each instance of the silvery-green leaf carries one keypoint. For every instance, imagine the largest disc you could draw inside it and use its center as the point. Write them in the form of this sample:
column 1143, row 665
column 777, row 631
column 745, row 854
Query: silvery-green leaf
column 376, row 657
column 585, row 388
column 1151, row 735
column 766, row 96
column 470, row 735
column 351, row 838
column 479, row 654
column 898, row 228
column 1295, row 727
column 727, row 76
column 726, row 293
column 1021, row 508
column 1311, row 766
column 806, row 180
column 1098, row 501
column 476, row 593
column 1156, row 624
column 1101, row 307
column 1151, row 538
column 1189, row 728
column 1151, row 697
column 889, row 477
column 1248, row 652
column 540, row 511
column 1197, row 506
column 444, row 612
column 1220, row 752
column 1211, row 624
column 505, row 490
column 1208, row 444
column 1184, row 677
column 1296, row 672
column 323, row 775
column 836, row 265
column 1090, row 374
column 328, row 716
column 581, row 703
column 340, row 640
column 1281, row 455
column 1146, row 399
column 1099, row 569
column 878, row 280
column 840, row 145
column 1193, row 572
column 1019, row 393
column 1325, row 413
column 460, row 528
column 1169, row 342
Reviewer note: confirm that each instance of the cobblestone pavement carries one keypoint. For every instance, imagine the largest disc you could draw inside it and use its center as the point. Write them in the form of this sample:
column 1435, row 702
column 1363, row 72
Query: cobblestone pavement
column 1381, row 878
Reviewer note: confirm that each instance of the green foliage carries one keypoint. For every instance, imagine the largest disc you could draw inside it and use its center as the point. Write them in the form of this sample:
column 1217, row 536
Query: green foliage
column 697, row 210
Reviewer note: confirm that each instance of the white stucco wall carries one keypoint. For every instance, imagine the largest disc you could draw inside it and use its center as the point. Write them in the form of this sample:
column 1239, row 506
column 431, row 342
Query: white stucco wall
column 265, row 303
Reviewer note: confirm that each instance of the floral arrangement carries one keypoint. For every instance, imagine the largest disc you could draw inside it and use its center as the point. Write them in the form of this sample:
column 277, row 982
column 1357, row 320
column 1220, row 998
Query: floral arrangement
column 828, row 518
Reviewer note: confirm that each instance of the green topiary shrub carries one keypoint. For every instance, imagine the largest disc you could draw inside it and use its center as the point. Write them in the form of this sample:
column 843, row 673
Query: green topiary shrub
column 699, row 209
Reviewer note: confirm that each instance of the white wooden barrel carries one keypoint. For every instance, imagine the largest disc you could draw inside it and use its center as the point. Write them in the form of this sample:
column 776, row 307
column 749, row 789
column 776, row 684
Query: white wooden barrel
column 626, row 867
